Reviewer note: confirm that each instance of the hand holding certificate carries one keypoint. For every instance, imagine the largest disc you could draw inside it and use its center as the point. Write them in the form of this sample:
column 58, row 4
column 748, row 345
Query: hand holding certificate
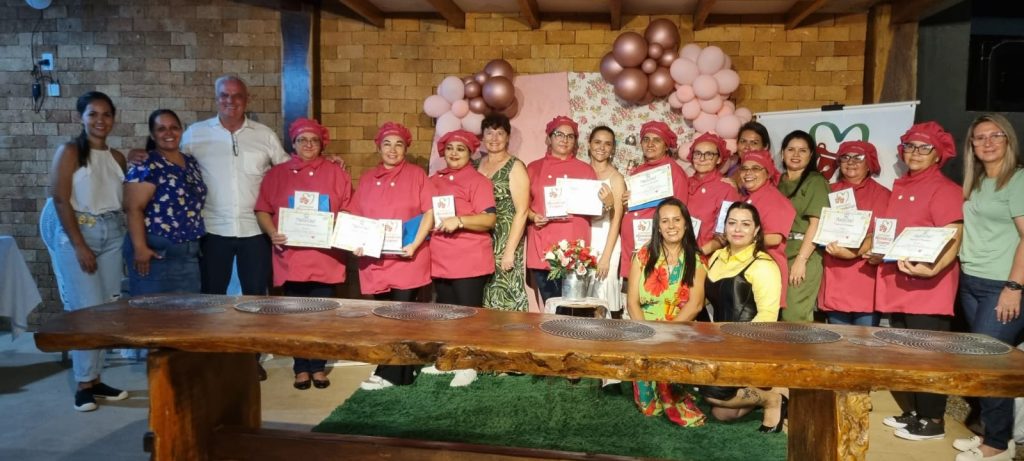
column 305, row 228
column 843, row 199
column 846, row 227
column 354, row 232
column 555, row 204
column 444, row 207
column 920, row 244
column 650, row 185
column 884, row 235
column 392, row 236
column 581, row 196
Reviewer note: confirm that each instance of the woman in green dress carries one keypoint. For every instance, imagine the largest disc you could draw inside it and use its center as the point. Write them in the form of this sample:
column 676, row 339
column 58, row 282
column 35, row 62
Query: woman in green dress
column 507, row 289
column 808, row 191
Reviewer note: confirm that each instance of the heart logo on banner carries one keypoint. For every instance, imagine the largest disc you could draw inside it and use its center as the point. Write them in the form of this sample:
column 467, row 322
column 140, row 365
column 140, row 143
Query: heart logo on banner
column 828, row 163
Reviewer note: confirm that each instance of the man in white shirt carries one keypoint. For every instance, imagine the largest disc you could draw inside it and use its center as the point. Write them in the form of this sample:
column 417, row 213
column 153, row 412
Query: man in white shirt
column 234, row 153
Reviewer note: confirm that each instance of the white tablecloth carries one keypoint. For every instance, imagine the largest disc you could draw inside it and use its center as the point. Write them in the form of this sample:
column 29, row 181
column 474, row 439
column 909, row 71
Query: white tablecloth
column 18, row 291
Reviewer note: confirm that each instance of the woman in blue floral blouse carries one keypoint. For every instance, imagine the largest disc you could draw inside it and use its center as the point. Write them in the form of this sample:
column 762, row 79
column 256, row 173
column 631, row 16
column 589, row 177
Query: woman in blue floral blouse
column 163, row 198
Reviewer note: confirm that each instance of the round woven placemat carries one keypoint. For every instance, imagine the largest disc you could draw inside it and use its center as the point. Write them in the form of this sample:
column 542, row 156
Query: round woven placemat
column 415, row 311
column 278, row 306
column 942, row 341
column 779, row 332
column 180, row 301
column 597, row 329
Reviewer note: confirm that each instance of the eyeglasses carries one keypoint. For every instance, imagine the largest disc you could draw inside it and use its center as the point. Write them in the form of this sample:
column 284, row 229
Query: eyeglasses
column 996, row 138
column 698, row 155
column 751, row 169
column 922, row 149
column 558, row 136
column 851, row 158
column 307, row 141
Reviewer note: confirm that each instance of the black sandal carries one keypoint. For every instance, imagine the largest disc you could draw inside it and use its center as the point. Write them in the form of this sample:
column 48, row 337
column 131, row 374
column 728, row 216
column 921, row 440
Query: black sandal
column 320, row 384
column 303, row 385
column 782, row 419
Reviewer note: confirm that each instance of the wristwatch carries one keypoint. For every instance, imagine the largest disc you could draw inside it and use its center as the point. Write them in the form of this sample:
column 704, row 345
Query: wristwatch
column 1013, row 285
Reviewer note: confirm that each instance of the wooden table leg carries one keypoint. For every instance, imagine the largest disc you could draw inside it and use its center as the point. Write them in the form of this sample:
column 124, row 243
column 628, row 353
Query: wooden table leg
column 828, row 425
column 191, row 394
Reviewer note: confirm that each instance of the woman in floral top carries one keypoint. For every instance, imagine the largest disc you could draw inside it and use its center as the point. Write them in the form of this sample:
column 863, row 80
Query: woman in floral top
column 163, row 198
column 666, row 284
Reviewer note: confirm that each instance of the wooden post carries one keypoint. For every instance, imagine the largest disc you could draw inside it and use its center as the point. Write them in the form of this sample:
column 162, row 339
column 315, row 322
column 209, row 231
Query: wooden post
column 828, row 425
column 191, row 394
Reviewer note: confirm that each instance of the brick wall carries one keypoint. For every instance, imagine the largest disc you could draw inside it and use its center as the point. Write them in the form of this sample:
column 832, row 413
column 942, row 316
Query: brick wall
column 145, row 55
column 373, row 75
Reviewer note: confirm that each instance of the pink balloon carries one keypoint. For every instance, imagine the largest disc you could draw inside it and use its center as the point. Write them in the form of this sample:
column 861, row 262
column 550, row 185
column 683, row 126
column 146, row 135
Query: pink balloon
column 728, row 126
column 684, row 71
column 728, row 81
column 447, row 122
column 705, row 122
column 711, row 106
column 660, row 83
column 610, row 68
column 685, row 93
column 460, row 108
column 655, row 50
column 472, row 122
column 674, row 102
column 649, row 66
column 705, row 87
column 728, row 62
column 727, row 106
column 435, row 105
column 711, row 60
column 630, row 49
column 452, row 89
column 690, row 51
column 744, row 114
column 691, row 109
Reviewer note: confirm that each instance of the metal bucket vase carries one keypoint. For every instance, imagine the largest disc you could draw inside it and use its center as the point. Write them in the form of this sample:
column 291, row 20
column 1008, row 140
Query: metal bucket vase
column 577, row 286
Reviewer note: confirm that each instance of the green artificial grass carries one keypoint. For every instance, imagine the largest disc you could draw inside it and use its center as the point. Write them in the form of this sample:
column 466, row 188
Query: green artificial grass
column 550, row 413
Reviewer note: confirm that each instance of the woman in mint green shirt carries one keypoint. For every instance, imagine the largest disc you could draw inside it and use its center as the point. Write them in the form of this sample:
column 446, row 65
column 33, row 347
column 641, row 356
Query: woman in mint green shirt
column 991, row 276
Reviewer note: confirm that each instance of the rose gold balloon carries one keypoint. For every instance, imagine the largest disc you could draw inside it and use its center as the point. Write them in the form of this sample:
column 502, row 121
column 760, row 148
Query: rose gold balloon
column 654, row 50
column 610, row 68
column 647, row 99
column 512, row 109
column 630, row 49
column 499, row 68
column 649, row 66
column 667, row 58
column 498, row 92
column 631, row 85
column 480, row 77
column 472, row 89
column 466, row 80
column 663, row 32
column 477, row 105
column 660, row 82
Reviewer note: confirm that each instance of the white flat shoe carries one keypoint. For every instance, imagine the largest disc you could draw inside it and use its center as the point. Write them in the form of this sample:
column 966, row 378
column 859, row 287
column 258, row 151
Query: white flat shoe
column 463, row 378
column 432, row 370
column 967, row 444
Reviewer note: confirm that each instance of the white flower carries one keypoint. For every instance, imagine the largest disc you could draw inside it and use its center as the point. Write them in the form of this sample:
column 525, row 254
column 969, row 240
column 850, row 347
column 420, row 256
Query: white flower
column 565, row 261
column 581, row 269
column 549, row 255
column 564, row 245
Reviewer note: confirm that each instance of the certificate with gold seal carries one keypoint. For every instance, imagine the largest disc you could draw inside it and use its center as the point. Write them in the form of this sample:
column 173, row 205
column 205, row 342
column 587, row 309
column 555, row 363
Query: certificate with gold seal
column 847, row 227
column 650, row 185
column 920, row 244
column 305, row 228
column 354, row 232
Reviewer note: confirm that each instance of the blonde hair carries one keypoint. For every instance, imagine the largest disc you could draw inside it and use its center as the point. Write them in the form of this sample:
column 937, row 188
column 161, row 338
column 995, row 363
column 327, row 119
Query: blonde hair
column 974, row 171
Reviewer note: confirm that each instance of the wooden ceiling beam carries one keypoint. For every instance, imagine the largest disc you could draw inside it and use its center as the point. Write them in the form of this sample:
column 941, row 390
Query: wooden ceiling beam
column 451, row 12
column 800, row 11
column 701, row 13
column 366, row 10
column 905, row 11
column 615, row 14
column 530, row 12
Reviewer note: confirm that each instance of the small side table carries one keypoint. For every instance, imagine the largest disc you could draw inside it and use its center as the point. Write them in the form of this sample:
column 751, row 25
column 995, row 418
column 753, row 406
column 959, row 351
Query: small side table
column 586, row 307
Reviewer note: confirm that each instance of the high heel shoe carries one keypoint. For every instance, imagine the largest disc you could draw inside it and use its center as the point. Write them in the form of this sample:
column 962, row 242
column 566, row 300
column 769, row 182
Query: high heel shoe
column 782, row 419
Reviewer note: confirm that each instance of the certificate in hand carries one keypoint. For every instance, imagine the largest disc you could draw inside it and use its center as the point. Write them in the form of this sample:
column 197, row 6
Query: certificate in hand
column 696, row 226
column 884, row 235
column 305, row 228
column 642, row 229
column 581, row 196
column 844, row 226
column 843, row 199
column 650, row 185
column 920, row 244
column 555, row 204
column 722, row 214
column 444, row 207
column 392, row 236
column 353, row 232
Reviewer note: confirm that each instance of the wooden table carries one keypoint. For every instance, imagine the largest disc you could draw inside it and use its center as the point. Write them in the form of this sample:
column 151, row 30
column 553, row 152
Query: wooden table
column 205, row 404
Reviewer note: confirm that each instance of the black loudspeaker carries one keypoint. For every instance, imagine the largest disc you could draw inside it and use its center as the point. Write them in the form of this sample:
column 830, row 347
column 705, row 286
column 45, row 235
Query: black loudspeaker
column 996, row 73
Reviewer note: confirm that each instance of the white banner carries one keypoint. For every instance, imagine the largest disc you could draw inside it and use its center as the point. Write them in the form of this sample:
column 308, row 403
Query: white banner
column 879, row 124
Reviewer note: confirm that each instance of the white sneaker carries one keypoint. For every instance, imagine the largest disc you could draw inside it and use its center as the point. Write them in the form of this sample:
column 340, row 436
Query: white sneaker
column 463, row 378
column 974, row 454
column 432, row 370
column 375, row 383
column 967, row 444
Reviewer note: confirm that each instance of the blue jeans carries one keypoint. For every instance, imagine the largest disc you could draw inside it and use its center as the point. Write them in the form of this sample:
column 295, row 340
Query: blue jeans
column 864, row 319
column 979, row 297
column 176, row 271
column 548, row 288
column 103, row 235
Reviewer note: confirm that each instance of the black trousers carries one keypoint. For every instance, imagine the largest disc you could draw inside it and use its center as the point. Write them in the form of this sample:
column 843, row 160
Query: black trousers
column 926, row 404
column 463, row 292
column 217, row 253
column 308, row 290
column 399, row 375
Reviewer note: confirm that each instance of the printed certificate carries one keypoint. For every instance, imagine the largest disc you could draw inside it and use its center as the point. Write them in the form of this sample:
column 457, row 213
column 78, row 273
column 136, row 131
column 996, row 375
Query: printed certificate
column 920, row 244
column 444, row 207
column 555, row 204
column 846, row 227
column 641, row 232
column 354, row 232
column 842, row 199
column 305, row 228
column 696, row 223
column 884, row 235
column 651, row 185
column 581, row 196
column 722, row 214
column 392, row 236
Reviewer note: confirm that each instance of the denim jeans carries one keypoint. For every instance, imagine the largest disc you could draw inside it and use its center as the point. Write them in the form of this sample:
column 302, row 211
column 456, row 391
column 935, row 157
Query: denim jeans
column 864, row 319
column 78, row 290
column 176, row 271
column 979, row 297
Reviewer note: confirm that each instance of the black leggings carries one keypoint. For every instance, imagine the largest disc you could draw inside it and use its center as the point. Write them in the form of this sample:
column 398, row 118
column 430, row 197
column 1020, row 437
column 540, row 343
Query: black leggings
column 463, row 292
column 399, row 375
column 308, row 290
column 926, row 404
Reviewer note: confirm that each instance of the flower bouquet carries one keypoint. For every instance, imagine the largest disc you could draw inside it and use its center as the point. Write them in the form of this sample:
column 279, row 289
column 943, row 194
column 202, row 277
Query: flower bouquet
column 572, row 262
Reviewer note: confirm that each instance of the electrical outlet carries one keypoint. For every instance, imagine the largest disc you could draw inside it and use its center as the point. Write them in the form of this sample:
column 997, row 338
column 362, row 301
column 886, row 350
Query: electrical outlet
column 53, row 89
column 48, row 61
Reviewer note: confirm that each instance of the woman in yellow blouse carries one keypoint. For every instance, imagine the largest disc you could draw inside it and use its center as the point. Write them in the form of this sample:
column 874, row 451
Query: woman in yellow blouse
column 744, row 285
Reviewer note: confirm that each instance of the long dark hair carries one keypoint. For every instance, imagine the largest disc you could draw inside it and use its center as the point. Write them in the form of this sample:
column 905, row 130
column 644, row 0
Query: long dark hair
column 655, row 245
column 759, row 236
column 812, row 165
column 760, row 130
column 150, row 143
column 82, row 141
